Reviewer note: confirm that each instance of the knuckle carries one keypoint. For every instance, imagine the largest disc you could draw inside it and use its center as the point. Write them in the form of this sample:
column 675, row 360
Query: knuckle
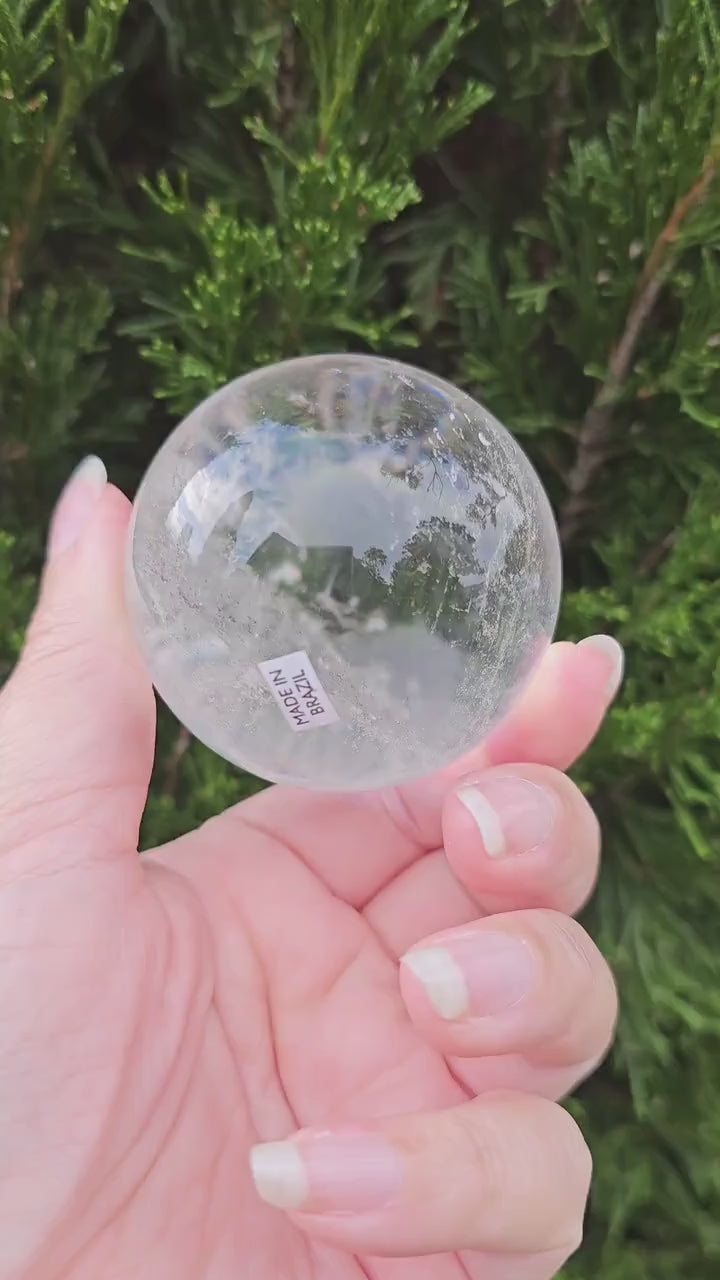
column 531, row 1170
column 476, row 1143
column 575, row 1153
column 473, row 1142
column 573, row 1182
column 572, row 1240
column 565, row 1171
column 55, row 656
column 526, row 1169
column 576, row 945
column 578, row 955
column 594, row 1008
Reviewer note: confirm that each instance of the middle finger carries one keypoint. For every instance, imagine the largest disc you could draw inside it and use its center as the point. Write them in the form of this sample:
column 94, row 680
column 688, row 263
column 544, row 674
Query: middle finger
column 515, row 836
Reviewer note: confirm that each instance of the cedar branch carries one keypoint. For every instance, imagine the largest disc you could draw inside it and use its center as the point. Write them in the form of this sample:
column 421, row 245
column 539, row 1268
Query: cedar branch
column 10, row 275
column 594, row 437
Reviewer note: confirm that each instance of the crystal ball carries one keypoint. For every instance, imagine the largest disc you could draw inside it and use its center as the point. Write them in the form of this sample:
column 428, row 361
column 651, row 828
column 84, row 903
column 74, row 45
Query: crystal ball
column 341, row 572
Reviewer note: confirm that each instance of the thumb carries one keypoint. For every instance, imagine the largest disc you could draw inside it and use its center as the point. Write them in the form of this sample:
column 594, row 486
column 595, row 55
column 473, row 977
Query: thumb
column 77, row 715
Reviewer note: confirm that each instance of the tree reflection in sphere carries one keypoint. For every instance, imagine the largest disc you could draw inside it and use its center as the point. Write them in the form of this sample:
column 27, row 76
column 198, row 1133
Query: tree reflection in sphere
column 341, row 572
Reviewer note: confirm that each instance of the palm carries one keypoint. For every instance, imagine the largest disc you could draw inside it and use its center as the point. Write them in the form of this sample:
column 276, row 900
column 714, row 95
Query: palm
column 162, row 1015
column 225, row 994
column 232, row 998
column 304, row 1023
column 307, row 1025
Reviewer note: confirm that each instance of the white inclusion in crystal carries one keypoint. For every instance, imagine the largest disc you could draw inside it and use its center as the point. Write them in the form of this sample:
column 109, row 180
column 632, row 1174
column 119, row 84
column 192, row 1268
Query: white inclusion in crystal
column 208, row 649
column 376, row 622
column 286, row 574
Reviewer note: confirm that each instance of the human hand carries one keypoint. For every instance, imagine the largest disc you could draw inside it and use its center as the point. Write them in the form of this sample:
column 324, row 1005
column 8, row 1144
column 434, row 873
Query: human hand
column 169, row 1021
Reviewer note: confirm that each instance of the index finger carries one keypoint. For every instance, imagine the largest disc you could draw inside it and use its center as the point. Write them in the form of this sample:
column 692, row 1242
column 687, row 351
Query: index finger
column 358, row 842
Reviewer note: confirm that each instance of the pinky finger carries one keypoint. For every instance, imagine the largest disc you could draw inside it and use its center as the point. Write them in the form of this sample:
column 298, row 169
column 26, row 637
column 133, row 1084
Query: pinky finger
column 505, row 1174
column 467, row 1266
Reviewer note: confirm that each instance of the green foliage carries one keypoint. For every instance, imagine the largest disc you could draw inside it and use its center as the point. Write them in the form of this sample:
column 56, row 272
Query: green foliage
column 208, row 786
column 527, row 192
column 51, row 316
column 377, row 67
column 46, row 75
column 541, row 305
column 260, row 291
column 238, row 289
column 16, row 595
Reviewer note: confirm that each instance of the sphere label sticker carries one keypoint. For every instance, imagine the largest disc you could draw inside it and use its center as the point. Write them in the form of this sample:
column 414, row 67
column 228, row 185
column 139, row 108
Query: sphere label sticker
column 296, row 688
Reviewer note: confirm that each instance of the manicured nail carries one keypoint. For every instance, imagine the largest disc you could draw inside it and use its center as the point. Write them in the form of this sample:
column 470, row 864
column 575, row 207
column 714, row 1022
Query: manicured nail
column 75, row 505
column 279, row 1174
column 512, row 815
column 473, row 974
column 615, row 655
column 339, row 1171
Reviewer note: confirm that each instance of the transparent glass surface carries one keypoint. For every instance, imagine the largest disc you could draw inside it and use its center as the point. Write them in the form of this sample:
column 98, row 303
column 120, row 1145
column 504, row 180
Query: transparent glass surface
column 341, row 572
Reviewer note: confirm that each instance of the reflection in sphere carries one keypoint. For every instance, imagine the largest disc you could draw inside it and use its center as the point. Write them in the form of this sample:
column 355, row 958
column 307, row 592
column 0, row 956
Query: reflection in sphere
column 341, row 571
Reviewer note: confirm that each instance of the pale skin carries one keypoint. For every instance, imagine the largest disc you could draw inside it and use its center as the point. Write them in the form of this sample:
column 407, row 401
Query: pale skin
column 320, row 1038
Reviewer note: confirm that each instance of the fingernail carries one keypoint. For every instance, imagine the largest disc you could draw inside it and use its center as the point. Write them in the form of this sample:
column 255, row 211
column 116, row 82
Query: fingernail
column 75, row 505
column 279, row 1174
column 473, row 975
column 513, row 815
column 615, row 655
column 341, row 1171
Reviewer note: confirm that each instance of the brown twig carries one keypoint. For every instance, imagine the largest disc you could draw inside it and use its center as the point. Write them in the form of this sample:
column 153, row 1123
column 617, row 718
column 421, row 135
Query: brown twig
column 566, row 25
column 170, row 776
column 286, row 80
column 557, row 129
column 10, row 277
column 595, row 435
column 543, row 258
column 652, row 559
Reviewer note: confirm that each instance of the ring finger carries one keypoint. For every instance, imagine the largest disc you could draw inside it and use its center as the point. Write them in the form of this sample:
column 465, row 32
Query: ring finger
column 522, row 999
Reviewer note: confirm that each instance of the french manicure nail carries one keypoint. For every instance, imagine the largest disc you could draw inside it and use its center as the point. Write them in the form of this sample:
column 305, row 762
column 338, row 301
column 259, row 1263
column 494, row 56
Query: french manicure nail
column 279, row 1174
column 339, row 1171
column 615, row 655
column 473, row 974
column 75, row 505
column 513, row 815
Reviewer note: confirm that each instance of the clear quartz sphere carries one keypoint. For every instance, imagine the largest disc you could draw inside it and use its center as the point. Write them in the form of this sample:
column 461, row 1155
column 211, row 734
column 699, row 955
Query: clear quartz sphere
column 341, row 572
